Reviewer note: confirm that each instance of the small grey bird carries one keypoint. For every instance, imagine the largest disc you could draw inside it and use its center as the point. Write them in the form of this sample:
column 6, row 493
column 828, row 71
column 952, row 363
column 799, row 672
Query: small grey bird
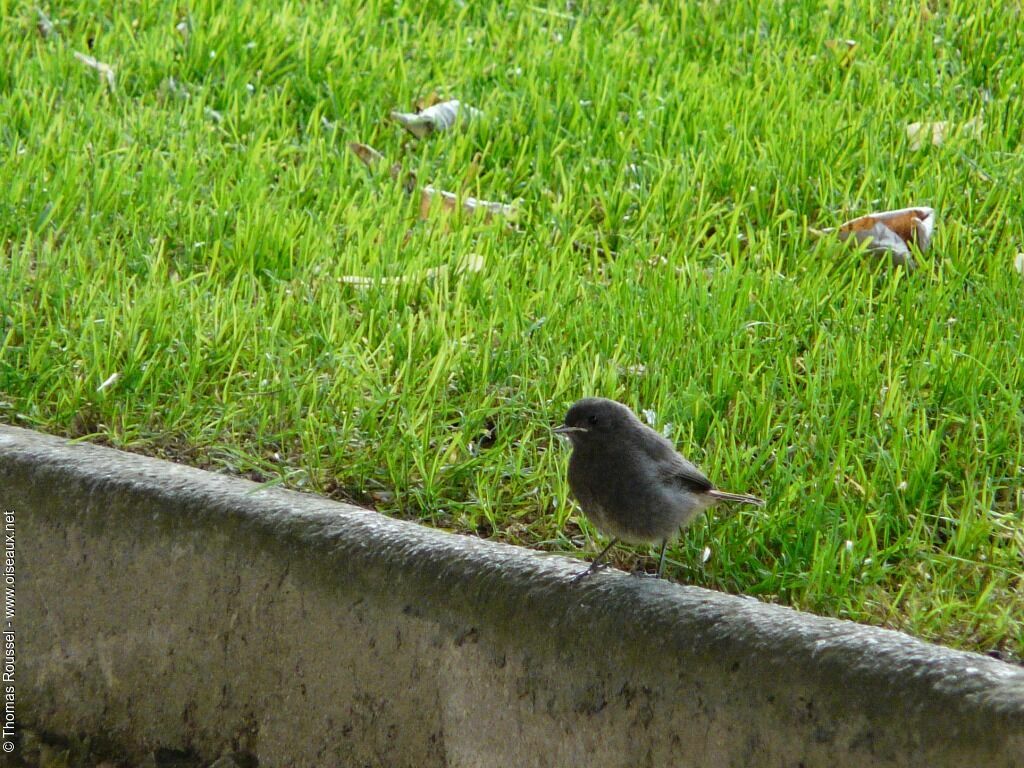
column 630, row 481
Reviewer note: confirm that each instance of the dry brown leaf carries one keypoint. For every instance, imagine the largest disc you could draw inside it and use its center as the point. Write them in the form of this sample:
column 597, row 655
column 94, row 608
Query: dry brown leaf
column 439, row 117
column 424, row 102
column 919, row 134
column 103, row 70
column 844, row 50
column 373, row 160
column 471, row 263
column 471, row 205
column 371, row 157
column 893, row 232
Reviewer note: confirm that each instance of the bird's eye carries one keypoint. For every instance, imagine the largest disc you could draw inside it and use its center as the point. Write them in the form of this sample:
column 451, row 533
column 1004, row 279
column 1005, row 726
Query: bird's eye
column 592, row 420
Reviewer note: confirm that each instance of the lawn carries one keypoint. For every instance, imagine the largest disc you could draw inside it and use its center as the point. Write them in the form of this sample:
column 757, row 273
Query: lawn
column 178, row 248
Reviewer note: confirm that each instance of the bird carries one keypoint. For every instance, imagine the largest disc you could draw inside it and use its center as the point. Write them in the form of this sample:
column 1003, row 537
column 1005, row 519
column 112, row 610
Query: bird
column 630, row 481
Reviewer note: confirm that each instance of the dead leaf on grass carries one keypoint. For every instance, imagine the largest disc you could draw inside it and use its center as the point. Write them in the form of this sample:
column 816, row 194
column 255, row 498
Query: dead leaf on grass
column 103, row 70
column 425, row 102
column 108, row 382
column 375, row 161
column 471, row 263
column 893, row 232
column 439, row 117
column 449, row 202
column 920, row 134
column 371, row 157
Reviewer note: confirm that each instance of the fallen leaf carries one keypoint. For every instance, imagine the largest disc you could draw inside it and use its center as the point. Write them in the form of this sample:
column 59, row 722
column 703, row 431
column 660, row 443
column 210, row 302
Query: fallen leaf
column 471, row 263
column 439, row 117
column 973, row 127
column 424, row 102
column 893, row 232
column 919, row 134
column 843, row 50
column 1018, row 263
column 103, row 70
column 373, row 160
column 43, row 24
column 471, row 205
column 109, row 382
column 371, row 157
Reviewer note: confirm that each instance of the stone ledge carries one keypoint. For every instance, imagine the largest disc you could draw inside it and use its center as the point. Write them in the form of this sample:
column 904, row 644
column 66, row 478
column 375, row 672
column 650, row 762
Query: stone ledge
column 164, row 606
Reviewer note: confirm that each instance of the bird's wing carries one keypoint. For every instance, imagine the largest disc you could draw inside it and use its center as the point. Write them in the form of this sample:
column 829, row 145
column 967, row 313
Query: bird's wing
column 672, row 467
column 684, row 473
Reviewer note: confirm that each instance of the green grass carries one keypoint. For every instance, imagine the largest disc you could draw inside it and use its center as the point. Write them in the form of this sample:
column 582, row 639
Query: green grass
column 188, row 231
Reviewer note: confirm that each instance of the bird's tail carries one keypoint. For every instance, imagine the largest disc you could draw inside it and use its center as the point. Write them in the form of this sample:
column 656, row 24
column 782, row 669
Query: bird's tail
column 741, row 498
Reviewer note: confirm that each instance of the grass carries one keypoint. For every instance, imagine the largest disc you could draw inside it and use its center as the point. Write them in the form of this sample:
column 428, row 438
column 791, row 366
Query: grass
column 188, row 231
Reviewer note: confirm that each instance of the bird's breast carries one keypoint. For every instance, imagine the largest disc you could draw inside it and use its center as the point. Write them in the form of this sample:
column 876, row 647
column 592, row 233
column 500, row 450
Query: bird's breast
column 620, row 498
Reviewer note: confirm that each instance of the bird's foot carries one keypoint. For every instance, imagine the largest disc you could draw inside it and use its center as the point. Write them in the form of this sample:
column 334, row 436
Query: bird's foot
column 594, row 568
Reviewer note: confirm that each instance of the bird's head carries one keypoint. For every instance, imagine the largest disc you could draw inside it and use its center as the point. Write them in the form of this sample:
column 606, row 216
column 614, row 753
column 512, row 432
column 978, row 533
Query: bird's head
column 595, row 420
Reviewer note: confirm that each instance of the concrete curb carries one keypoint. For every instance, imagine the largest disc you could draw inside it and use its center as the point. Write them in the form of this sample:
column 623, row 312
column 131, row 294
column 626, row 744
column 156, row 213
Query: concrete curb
column 166, row 606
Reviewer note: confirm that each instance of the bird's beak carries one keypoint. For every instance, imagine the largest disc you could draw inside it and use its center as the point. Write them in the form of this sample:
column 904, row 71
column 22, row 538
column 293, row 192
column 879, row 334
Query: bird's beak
column 564, row 430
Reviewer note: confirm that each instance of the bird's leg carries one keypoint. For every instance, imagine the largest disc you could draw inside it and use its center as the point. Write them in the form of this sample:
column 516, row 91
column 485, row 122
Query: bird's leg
column 661, row 561
column 597, row 565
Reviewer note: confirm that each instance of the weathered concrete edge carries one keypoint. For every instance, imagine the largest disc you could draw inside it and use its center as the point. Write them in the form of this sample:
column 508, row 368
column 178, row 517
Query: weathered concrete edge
column 938, row 694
